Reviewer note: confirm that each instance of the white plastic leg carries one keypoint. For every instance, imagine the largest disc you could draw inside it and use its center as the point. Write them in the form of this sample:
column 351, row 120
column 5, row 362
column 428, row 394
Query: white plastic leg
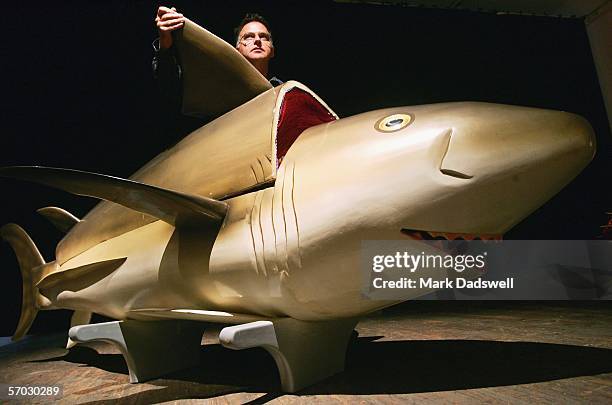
column 150, row 349
column 304, row 352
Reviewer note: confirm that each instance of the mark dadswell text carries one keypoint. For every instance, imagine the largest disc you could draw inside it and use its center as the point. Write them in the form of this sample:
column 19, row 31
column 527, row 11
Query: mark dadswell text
column 429, row 282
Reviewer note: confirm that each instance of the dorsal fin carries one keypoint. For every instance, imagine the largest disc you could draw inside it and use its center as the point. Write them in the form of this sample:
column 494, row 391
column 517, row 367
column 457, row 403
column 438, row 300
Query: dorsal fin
column 169, row 206
column 216, row 77
column 60, row 218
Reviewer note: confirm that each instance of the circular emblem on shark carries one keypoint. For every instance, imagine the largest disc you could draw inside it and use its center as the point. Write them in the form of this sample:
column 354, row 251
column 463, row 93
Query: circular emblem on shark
column 392, row 123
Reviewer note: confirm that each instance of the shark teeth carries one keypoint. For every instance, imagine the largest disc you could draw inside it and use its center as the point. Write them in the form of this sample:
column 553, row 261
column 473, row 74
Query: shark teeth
column 433, row 235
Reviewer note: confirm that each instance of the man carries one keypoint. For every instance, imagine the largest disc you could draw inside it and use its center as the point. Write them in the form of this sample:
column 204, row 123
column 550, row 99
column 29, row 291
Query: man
column 253, row 41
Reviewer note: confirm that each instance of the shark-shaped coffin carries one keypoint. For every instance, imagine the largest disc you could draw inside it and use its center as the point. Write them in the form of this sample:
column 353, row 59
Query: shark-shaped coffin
column 260, row 214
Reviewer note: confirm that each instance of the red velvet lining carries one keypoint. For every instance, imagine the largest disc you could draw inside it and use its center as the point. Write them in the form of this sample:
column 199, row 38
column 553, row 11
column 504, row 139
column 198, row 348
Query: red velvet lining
column 299, row 111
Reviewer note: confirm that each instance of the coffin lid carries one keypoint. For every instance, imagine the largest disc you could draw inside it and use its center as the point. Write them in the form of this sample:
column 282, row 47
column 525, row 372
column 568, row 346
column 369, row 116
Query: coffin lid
column 216, row 77
column 232, row 155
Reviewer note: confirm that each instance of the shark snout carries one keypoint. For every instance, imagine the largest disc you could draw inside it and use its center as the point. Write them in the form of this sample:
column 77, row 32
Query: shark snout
column 501, row 140
column 507, row 161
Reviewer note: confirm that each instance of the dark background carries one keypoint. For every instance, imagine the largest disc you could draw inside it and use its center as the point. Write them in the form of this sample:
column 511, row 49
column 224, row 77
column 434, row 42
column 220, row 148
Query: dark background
column 78, row 92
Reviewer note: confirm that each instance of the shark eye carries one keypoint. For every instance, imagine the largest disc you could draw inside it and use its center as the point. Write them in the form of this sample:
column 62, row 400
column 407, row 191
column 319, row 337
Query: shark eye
column 393, row 122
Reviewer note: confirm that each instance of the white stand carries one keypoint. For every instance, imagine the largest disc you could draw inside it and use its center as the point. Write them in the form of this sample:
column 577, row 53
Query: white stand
column 304, row 352
column 150, row 349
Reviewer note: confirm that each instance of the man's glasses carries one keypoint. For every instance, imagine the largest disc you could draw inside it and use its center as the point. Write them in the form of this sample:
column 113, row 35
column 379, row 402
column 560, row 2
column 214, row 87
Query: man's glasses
column 250, row 37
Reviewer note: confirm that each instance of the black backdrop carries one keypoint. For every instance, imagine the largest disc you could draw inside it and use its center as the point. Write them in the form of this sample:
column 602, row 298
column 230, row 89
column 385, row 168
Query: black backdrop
column 78, row 92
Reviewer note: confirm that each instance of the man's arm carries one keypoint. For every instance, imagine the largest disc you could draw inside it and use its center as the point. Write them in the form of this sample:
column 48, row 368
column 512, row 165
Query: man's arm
column 168, row 20
column 166, row 68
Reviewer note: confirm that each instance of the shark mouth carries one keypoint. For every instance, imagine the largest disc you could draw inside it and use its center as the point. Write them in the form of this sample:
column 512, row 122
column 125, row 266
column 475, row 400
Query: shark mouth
column 432, row 235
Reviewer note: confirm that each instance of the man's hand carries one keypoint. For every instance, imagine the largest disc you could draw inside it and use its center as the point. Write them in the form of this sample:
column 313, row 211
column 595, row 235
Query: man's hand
column 167, row 20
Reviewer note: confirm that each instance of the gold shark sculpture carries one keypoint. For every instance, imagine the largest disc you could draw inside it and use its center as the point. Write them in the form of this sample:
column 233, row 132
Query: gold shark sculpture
column 256, row 219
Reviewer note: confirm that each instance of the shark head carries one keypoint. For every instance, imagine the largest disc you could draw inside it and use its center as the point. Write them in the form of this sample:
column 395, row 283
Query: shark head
column 442, row 171
column 470, row 170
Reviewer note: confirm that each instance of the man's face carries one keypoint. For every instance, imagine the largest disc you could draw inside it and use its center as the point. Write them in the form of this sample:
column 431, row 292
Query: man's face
column 255, row 42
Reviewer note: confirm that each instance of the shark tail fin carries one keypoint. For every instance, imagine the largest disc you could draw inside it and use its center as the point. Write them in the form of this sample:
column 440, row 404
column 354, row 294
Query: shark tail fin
column 31, row 264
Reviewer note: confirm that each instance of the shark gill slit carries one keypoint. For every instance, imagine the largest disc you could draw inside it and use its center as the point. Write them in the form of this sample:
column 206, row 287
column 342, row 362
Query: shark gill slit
column 268, row 252
column 285, row 257
column 274, row 225
column 250, row 221
column 258, row 204
column 263, row 170
column 297, row 227
column 254, row 173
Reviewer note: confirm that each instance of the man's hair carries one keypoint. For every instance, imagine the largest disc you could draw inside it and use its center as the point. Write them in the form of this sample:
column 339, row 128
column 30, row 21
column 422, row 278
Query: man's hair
column 250, row 17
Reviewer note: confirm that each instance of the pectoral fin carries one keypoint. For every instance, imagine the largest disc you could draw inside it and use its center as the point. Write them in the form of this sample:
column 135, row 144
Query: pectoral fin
column 169, row 206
